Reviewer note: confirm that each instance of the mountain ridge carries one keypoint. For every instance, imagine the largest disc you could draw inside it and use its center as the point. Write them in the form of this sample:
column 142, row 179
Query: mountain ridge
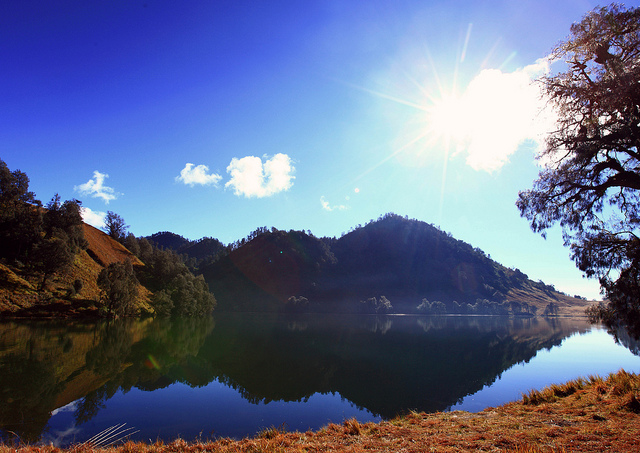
column 406, row 261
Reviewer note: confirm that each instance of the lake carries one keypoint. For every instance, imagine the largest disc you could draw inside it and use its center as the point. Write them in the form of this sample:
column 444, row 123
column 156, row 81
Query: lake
column 235, row 374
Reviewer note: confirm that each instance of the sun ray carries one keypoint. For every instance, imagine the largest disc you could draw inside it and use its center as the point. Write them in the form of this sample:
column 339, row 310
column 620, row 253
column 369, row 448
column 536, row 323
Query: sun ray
column 463, row 54
column 385, row 96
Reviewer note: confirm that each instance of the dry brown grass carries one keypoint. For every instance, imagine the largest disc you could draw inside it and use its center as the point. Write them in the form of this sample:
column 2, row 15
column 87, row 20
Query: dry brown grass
column 105, row 249
column 585, row 415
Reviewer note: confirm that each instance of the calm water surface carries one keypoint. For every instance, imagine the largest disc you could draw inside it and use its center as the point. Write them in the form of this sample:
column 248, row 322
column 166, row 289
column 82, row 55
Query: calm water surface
column 233, row 375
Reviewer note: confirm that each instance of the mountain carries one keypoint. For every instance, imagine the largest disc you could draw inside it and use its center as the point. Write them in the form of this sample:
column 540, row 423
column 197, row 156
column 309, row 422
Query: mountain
column 390, row 265
column 393, row 264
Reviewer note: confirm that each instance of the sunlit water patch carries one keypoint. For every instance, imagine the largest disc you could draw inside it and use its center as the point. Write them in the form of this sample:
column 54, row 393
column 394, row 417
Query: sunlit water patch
column 580, row 355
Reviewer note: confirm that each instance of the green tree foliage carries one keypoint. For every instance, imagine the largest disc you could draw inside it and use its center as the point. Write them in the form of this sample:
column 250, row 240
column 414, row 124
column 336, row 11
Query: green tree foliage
column 591, row 184
column 131, row 243
column 43, row 240
column 20, row 216
column 63, row 237
column 51, row 255
column 65, row 217
column 119, row 287
column 176, row 290
column 193, row 253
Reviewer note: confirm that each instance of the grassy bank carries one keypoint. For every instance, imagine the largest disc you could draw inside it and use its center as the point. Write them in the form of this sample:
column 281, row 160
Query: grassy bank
column 584, row 415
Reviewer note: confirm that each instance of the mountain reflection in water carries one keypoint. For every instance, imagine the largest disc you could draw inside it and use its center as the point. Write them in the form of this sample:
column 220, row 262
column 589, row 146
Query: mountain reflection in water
column 384, row 365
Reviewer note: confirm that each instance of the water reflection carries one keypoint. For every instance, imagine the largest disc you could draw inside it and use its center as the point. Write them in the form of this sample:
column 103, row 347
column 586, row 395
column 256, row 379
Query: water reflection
column 385, row 365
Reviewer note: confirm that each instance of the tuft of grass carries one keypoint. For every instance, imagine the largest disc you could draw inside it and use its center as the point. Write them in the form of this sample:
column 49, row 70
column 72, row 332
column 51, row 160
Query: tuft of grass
column 352, row 427
column 272, row 432
column 553, row 392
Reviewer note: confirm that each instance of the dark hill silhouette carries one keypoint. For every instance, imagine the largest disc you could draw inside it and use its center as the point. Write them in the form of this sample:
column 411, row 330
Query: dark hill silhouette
column 168, row 240
column 205, row 249
column 407, row 261
column 263, row 273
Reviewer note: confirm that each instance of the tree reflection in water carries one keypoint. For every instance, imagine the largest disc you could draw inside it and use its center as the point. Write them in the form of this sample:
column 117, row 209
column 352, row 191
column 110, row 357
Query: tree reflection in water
column 386, row 365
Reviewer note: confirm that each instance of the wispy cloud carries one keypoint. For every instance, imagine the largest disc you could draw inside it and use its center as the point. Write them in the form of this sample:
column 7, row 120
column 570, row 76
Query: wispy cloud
column 95, row 187
column 327, row 207
column 253, row 178
column 192, row 175
column 93, row 218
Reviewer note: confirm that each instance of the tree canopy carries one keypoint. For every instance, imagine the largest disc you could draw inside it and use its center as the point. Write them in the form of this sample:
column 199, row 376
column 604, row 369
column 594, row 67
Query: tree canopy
column 20, row 216
column 590, row 183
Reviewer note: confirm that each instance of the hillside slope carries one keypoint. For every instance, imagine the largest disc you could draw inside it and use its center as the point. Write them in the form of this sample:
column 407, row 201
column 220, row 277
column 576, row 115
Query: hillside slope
column 19, row 294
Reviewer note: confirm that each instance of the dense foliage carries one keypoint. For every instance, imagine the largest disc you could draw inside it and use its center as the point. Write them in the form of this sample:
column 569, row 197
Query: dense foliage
column 591, row 182
column 40, row 240
column 119, row 287
column 193, row 253
column 177, row 291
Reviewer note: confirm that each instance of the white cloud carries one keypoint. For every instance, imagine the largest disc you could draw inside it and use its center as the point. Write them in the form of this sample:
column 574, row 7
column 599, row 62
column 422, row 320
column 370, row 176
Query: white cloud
column 497, row 113
column 199, row 174
column 93, row 218
column 327, row 207
column 251, row 178
column 96, row 188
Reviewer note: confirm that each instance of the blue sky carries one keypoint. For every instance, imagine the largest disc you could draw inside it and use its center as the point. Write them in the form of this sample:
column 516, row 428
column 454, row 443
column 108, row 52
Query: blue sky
column 213, row 118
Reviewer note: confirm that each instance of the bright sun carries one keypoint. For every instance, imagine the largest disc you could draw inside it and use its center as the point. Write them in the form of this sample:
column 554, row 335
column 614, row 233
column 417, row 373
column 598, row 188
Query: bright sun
column 489, row 120
column 448, row 119
column 484, row 121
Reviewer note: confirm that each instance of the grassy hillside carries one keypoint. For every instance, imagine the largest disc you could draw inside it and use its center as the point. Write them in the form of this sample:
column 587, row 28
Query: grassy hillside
column 20, row 294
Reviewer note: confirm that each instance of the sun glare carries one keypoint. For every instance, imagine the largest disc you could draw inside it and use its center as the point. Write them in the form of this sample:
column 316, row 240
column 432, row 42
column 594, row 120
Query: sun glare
column 488, row 120
column 447, row 119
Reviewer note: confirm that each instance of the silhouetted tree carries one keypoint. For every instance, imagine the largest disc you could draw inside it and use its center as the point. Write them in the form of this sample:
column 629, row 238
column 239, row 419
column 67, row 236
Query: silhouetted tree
column 115, row 226
column 591, row 182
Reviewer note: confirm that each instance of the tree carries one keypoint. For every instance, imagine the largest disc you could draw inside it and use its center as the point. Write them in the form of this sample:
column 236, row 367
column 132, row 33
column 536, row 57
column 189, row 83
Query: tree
column 67, row 218
column 119, row 287
column 115, row 227
column 20, row 216
column 551, row 310
column 590, row 184
column 52, row 255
